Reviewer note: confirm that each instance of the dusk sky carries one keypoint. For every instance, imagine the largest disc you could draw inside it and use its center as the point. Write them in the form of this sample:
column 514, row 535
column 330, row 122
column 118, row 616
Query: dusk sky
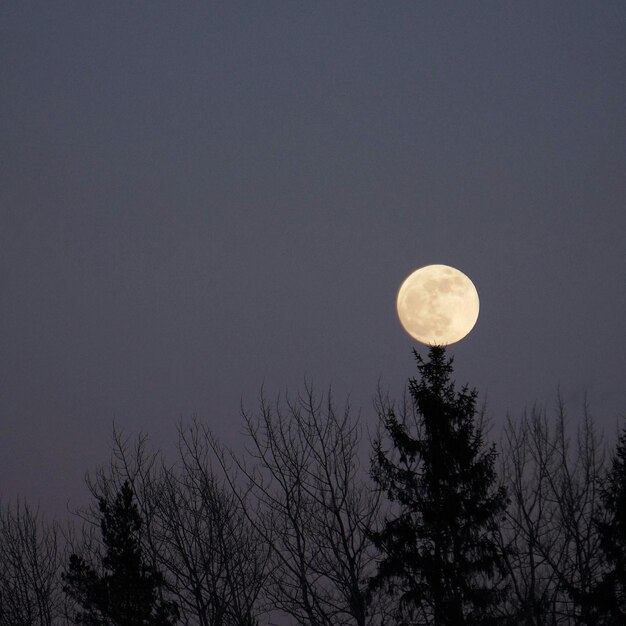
column 198, row 199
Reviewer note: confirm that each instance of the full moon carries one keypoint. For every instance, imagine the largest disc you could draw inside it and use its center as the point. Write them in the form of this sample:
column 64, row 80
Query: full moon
column 438, row 305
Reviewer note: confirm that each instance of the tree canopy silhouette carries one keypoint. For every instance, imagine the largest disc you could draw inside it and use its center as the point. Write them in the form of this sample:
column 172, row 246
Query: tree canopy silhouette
column 438, row 551
column 127, row 591
column 607, row 600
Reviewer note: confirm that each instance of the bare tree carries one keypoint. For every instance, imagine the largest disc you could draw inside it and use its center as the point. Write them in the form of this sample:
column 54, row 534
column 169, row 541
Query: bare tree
column 305, row 495
column 553, row 483
column 30, row 593
column 216, row 559
column 193, row 528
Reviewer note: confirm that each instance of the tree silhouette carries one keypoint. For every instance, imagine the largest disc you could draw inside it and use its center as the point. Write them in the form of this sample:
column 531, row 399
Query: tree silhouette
column 29, row 565
column 608, row 598
column 439, row 553
column 553, row 474
column 302, row 493
column 127, row 592
column 193, row 528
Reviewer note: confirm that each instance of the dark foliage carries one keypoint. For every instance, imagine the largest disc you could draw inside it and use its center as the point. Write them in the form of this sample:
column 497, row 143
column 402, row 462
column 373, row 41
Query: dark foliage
column 439, row 554
column 127, row 592
column 607, row 600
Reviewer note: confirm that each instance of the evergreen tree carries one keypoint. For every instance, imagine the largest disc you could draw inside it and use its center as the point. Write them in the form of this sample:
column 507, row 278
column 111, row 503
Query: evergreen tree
column 608, row 598
column 127, row 592
column 439, row 553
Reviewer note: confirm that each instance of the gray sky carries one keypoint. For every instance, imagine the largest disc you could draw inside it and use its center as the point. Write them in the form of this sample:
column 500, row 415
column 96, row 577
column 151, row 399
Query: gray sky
column 200, row 198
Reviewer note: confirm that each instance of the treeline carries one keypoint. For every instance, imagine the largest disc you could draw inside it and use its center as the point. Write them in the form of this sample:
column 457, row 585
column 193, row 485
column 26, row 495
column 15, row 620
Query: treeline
column 432, row 526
